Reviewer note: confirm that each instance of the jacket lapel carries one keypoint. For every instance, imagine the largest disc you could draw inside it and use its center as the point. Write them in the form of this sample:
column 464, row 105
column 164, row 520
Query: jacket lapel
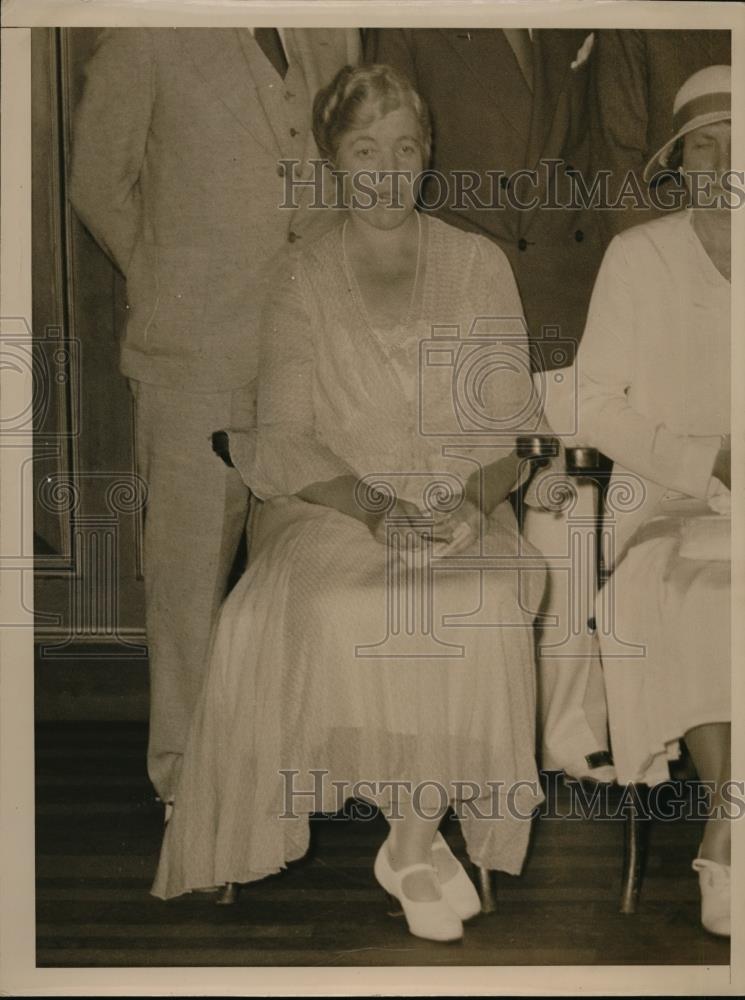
column 321, row 52
column 489, row 58
column 552, row 76
column 316, row 55
column 553, row 79
column 233, row 67
column 271, row 88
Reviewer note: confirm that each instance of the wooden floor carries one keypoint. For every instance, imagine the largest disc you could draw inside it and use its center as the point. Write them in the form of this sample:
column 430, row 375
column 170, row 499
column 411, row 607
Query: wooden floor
column 98, row 831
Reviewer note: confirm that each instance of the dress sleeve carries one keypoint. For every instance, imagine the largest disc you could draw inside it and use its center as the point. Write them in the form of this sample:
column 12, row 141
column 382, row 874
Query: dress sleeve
column 282, row 455
column 608, row 421
column 509, row 393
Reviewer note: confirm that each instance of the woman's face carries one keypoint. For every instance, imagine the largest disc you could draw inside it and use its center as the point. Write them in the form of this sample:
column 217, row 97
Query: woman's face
column 381, row 162
column 707, row 149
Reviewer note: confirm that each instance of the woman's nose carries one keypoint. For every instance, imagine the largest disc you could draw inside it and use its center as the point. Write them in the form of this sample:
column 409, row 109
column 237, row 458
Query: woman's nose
column 387, row 161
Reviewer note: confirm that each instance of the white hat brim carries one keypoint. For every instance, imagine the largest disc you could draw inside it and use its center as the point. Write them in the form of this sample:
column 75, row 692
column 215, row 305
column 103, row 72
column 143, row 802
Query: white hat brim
column 659, row 160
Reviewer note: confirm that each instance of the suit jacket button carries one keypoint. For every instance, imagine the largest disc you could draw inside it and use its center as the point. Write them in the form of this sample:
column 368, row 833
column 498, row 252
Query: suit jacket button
column 504, row 183
column 522, row 244
column 281, row 170
column 291, row 237
column 293, row 132
column 579, row 236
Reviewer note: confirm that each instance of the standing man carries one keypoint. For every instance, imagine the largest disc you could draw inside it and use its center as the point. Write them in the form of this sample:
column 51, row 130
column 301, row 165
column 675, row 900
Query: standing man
column 505, row 101
column 635, row 75
column 176, row 171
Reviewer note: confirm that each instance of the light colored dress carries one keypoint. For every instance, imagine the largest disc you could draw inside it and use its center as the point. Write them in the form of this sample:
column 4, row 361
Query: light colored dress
column 319, row 662
column 654, row 375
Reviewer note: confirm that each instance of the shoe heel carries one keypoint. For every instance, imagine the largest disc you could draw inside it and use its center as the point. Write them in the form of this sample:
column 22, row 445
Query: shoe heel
column 228, row 895
column 394, row 906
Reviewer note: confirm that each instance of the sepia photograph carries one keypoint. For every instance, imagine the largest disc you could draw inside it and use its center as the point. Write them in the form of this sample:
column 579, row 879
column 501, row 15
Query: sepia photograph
column 367, row 523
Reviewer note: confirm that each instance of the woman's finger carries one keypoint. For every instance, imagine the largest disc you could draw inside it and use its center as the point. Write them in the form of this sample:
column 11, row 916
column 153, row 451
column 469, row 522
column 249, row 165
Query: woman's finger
column 463, row 535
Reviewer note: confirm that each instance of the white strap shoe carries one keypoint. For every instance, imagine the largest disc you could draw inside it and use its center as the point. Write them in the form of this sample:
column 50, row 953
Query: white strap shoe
column 459, row 890
column 431, row 919
column 715, row 886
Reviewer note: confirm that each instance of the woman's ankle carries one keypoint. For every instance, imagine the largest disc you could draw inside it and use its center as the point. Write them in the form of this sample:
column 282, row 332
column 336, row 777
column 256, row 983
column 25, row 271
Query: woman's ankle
column 716, row 843
column 401, row 856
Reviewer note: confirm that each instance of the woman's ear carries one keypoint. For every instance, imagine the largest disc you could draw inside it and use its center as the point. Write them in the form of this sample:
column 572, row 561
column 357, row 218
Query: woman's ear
column 675, row 159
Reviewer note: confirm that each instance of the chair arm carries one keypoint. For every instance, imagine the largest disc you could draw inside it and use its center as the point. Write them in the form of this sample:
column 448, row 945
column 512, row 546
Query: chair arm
column 582, row 461
column 539, row 448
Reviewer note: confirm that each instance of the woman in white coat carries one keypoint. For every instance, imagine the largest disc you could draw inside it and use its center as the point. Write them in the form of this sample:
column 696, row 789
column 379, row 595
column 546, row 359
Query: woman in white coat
column 654, row 372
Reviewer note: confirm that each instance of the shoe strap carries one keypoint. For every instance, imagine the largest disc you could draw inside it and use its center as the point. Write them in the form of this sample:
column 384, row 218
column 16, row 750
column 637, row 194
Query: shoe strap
column 440, row 844
column 715, row 867
column 419, row 866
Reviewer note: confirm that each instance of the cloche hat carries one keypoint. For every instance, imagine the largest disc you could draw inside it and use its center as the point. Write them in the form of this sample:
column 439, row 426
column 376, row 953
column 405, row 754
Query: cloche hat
column 704, row 98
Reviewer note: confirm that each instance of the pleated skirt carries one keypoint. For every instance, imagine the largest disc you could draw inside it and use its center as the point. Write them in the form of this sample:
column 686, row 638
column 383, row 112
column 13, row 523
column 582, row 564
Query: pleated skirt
column 339, row 670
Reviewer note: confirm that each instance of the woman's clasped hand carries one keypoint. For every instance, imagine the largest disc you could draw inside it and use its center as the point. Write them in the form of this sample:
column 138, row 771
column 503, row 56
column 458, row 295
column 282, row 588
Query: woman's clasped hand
column 447, row 534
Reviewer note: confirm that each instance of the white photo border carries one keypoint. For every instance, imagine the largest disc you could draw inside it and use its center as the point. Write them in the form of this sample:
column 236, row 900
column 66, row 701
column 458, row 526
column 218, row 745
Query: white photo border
column 18, row 975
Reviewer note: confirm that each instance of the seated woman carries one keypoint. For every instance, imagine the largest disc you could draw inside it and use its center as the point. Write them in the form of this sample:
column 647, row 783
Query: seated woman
column 341, row 665
column 654, row 375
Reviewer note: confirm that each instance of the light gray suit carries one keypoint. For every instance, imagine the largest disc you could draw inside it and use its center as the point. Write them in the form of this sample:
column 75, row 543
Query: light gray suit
column 176, row 172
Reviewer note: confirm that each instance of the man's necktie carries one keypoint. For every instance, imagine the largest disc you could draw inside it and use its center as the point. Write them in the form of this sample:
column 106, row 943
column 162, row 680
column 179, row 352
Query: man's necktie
column 522, row 45
column 270, row 44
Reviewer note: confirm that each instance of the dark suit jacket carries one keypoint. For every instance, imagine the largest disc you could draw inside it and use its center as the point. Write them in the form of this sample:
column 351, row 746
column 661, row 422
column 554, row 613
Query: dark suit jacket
column 635, row 76
column 485, row 118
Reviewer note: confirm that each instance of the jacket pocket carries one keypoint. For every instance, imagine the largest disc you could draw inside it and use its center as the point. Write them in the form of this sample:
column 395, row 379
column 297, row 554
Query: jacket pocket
column 166, row 290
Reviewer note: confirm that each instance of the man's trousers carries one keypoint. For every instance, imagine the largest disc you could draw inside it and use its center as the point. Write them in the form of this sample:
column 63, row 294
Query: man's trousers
column 196, row 512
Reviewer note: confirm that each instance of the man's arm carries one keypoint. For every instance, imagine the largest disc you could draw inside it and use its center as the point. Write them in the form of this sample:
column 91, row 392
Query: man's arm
column 109, row 137
column 619, row 118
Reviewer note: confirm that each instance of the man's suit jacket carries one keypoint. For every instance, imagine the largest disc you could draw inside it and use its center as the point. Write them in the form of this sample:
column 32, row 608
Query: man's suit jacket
column 634, row 78
column 175, row 171
column 485, row 118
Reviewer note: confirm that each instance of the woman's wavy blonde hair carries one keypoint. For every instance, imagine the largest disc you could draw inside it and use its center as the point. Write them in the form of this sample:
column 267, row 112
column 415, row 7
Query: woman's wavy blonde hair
column 360, row 95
